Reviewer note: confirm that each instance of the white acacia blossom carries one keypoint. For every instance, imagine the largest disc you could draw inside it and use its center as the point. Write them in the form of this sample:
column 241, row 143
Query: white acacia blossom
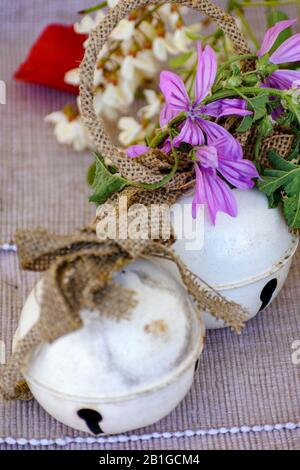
column 163, row 46
column 124, row 31
column 153, row 106
column 131, row 131
column 70, row 132
column 183, row 37
column 88, row 23
column 129, row 64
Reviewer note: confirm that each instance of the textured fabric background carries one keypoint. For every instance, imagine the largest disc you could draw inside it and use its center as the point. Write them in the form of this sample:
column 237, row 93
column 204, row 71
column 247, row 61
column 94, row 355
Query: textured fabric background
column 246, row 380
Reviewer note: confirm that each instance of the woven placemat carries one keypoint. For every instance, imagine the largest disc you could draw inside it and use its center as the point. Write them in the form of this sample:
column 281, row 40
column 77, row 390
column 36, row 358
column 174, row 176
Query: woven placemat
column 246, row 391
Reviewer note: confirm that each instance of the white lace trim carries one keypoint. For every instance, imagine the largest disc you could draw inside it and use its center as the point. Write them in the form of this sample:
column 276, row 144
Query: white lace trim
column 8, row 247
column 147, row 437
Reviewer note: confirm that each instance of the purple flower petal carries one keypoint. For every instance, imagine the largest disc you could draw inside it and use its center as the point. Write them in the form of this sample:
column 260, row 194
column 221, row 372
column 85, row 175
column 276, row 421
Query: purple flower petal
column 216, row 134
column 272, row 34
column 283, row 79
column 277, row 112
column 136, row 150
column 238, row 172
column 218, row 195
column 206, row 72
column 208, row 156
column 289, row 51
column 167, row 114
column 199, row 196
column 174, row 91
column 166, row 147
column 227, row 107
column 190, row 133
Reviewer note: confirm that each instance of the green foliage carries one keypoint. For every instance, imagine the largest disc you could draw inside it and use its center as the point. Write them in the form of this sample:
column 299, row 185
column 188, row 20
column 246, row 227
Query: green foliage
column 91, row 174
column 180, row 60
column 245, row 124
column 105, row 182
column 251, row 79
column 264, row 66
column 286, row 119
column 283, row 178
column 259, row 105
column 265, row 127
column 236, row 76
column 193, row 36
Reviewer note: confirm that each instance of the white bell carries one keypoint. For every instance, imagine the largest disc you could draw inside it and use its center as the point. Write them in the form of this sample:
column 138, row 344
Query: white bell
column 112, row 376
column 246, row 258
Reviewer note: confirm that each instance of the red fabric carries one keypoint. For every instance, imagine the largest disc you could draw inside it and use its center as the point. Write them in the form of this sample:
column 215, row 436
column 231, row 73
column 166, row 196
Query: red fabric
column 57, row 50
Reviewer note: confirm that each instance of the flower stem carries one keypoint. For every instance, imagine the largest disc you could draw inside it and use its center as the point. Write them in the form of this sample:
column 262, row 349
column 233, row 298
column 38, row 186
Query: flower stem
column 257, row 146
column 92, row 9
column 245, row 91
column 241, row 94
column 271, row 3
column 236, row 58
column 164, row 133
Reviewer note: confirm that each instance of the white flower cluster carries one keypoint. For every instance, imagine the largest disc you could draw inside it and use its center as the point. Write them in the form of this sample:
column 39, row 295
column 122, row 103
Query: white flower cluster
column 70, row 130
column 129, row 64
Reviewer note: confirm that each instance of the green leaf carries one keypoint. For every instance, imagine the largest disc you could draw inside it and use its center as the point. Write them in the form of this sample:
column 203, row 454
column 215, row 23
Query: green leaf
column 264, row 66
column 193, row 36
column 280, row 163
column 291, row 209
column 293, row 107
column 234, row 81
column 274, row 199
column 235, row 69
column 265, row 127
column 251, row 80
column 273, row 17
column 259, row 105
column 245, row 124
column 283, row 176
column 286, row 119
column 91, row 174
column 180, row 60
column 262, row 61
column 105, row 182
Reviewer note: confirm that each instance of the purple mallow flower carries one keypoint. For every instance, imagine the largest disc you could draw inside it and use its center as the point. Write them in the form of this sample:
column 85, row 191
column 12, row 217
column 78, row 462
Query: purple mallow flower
column 219, row 156
column 212, row 162
column 196, row 130
column 288, row 51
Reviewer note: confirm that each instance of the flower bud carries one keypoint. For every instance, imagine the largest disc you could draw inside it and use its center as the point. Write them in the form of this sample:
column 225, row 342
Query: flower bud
column 251, row 80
